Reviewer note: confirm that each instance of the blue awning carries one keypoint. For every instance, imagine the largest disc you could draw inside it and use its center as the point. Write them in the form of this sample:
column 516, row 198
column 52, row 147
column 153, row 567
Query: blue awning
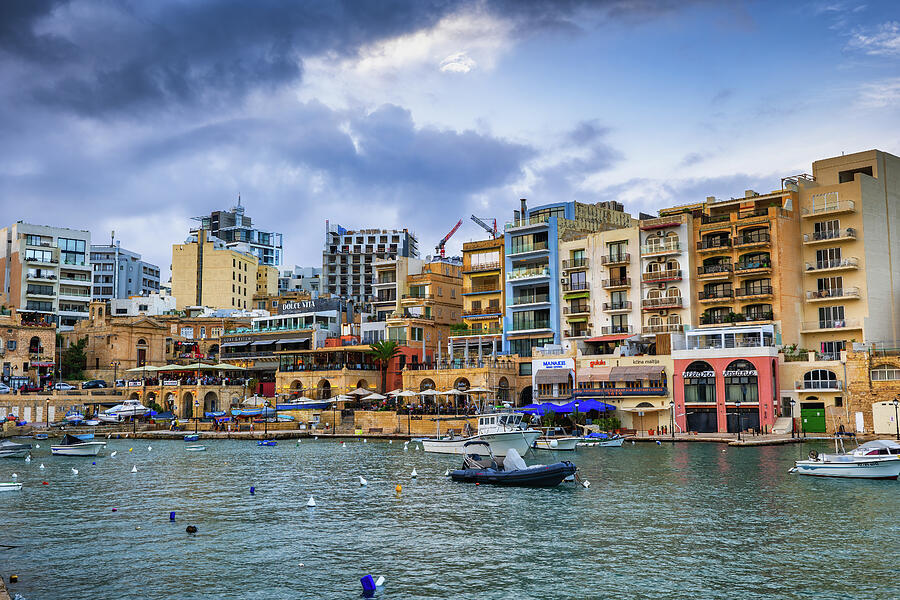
column 569, row 407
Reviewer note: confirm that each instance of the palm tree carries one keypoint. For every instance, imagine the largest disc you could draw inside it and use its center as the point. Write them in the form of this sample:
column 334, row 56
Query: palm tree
column 383, row 352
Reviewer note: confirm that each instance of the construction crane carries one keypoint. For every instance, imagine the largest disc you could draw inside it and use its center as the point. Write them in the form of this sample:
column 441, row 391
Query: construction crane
column 493, row 231
column 440, row 247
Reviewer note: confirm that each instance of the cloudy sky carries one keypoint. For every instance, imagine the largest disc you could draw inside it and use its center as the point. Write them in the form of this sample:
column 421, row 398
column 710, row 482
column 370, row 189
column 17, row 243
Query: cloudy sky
column 134, row 116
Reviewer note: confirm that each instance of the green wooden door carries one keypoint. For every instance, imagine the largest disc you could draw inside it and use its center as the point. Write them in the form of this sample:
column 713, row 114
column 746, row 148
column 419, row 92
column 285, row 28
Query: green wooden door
column 812, row 420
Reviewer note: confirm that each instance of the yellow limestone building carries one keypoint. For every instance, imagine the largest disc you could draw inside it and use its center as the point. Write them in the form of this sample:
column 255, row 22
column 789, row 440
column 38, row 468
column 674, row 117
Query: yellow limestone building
column 206, row 273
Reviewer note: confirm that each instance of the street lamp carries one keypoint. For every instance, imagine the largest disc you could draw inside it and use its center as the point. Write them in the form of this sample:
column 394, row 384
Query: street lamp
column 47, row 411
column 576, row 415
column 115, row 365
column 672, row 410
column 897, row 423
column 793, row 402
column 737, row 404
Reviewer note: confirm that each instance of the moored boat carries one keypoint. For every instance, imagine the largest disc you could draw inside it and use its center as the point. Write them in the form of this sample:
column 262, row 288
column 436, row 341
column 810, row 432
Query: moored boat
column 124, row 411
column 40, row 436
column 502, row 431
column 195, row 448
column 512, row 471
column 10, row 487
column 305, row 404
column 878, row 459
column 266, row 443
column 554, row 438
column 73, row 416
column 72, row 446
column 191, row 437
column 9, row 449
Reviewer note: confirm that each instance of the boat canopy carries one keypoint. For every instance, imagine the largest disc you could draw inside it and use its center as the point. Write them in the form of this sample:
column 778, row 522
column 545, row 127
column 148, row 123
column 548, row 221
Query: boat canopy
column 69, row 440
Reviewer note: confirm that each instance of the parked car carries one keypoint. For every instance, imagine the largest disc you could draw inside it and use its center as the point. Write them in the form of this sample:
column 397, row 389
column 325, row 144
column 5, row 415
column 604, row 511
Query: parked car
column 93, row 384
column 4, row 389
column 31, row 387
column 62, row 385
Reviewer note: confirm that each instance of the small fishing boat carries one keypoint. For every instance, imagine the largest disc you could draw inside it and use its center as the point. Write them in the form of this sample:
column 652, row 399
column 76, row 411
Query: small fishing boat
column 40, row 436
column 195, row 448
column 72, row 446
column 124, row 411
column 10, row 449
column 266, row 442
column 305, row 404
column 603, row 440
column 92, row 422
column 10, row 487
column 480, row 468
column 73, row 416
column 503, row 431
column 554, row 438
column 878, row 459
column 84, row 437
column 191, row 437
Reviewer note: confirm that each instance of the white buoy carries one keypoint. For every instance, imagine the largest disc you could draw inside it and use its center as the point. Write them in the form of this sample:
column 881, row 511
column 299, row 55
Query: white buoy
column 310, row 502
column 15, row 476
column 390, row 441
column 343, row 444
column 554, row 443
column 447, row 473
column 586, row 483
column 42, row 465
column 632, row 442
column 362, row 481
column 74, row 471
column 114, row 453
column 134, row 469
column 365, row 441
column 414, row 474
column 149, row 448
column 380, row 581
column 28, row 458
column 37, row 445
column 317, row 437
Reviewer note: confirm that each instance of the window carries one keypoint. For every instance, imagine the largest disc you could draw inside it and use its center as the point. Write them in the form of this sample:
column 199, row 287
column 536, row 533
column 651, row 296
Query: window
column 828, row 257
column 617, row 251
column 831, row 316
column 523, row 347
column 484, row 260
column 699, row 383
column 416, row 334
column 741, row 382
column 71, row 251
column 820, row 379
column 41, row 255
column 832, row 350
column 879, row 373
column 33, row 240
column 525, row 368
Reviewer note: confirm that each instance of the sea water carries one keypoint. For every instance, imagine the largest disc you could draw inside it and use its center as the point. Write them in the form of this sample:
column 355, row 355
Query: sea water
column 688, row 520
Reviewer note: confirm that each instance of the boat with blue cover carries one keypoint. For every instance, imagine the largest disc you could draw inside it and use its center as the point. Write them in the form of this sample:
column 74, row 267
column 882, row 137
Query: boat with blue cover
column 480, row 466
column 191, row 437
column 266, row 442
column 602, row 439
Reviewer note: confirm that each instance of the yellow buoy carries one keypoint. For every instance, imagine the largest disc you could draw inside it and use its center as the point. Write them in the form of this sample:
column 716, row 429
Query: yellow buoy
column 130, row 449
column 399, row 488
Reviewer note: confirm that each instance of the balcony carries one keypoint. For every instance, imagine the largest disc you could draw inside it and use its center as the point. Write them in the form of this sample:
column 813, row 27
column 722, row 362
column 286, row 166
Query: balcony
column 757, row 238
column 622, row 282
column 40, row 261
column 712, row 219
column 530, row 299
column 663, row 328
column 834, row 385
column 758, row 315
column 829, row 325
column 481, row 289
column 755, row 266
column 759, row 291
column 528, row 273
column 492, row 266
column 714, row 244
column 577, row 286
column 714, row 271
column 475, row 332
column 828, row 208
column 661, row 249
column 530, row 326
column 578, row 309
column 716, row 296
column 487, row 311
column 610, row 260
column 616, row 330
column 831, row 235
column 575, row 263
column 668, row 275
column 834, row 264
column 661, row 302
column 526, row 222
column 617, row 306
column 660, row 222
column 754, row 214
column 385, row 300
column 576, row 333
column 414, row 297
column 847, row 293
column 527, row 248
column 41, row 277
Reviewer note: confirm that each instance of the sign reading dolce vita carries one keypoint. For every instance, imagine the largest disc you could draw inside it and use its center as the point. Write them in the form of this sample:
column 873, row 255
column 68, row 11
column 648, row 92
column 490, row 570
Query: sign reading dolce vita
column 308, row 306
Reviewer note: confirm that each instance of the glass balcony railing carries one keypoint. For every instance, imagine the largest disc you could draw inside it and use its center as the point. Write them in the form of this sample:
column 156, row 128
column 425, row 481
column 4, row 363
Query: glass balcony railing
column 523, row 248
column 615, row 259
column 530, row 299
column 850, row 262
column 847, row 292
column 527, row 273
column 830, row 234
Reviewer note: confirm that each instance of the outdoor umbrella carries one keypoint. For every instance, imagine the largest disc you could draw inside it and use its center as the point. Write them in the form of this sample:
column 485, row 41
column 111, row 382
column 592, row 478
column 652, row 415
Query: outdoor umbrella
column 360, row 392
column 405, row 394
column 147, row 369
column 478, row 390
column 454, row 393
column 374, row 396
column 394, row 392
column 199, row 366
column 227, row 367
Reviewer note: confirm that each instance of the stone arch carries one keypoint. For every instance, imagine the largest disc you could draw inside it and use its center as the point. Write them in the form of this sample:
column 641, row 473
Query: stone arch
column 210, row 402
column 461, row 384
column 151, row 397
column 426, row 384
column 644, row 405
column 362, row 383
column 503, row 390
column 297, row 385
column 134, row 396
column 187, row 405
column 34, row 345
column 525, row 396
column 214, row 349
column 170, row 402
column 323, row 389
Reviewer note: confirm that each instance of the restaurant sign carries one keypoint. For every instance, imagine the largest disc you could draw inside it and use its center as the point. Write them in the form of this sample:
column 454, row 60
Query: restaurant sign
column 698, row 374
column 170, row 382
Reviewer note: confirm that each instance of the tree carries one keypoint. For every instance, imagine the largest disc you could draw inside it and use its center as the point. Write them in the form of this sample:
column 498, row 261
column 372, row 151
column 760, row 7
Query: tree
column 383, row 352
column 73, row 360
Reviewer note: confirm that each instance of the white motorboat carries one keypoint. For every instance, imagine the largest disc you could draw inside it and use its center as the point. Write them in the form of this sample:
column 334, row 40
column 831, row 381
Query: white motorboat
column 9, row 449
column 10, row 487
column 73, row 446
column 195, row 448
column 614, row 441
column 73, row 416
column 554, row 438
column 878, row 459
column 501, row 431
column 122, row 412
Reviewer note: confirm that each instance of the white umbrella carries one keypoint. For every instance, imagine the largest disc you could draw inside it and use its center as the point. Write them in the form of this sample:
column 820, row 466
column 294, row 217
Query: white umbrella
column 147, row 368
column 405, row 394
column 478, row 390
column 453, row 393
column 374, row 396
column 360, row 392
column 429, row 393
column 394, row 392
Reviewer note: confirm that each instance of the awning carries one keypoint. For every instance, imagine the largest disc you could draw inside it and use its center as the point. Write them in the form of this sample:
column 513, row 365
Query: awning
column 609, row 338
column 292, row 340
column 576, row 319
column 593, row 374
column 41, row 363
column 572, row 296
column 231, row 344
column 635, row 373
column 263, row 343
column 635, row 409
column 552, row 376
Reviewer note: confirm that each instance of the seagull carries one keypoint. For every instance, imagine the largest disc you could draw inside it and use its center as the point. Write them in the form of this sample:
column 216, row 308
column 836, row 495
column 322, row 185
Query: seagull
column 74, row 471
column 362, row 481
column 114, row 453
column 414, row 474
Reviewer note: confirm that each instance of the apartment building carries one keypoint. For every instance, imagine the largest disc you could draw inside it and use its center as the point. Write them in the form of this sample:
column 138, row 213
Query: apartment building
column 45, row 272
column 532, row 270
column 207, row 273
column 430, row 307
column 150, row 305
column 850, row 249
column 348, row 258
column 483, row 274
column 266, row 281
column 300, row 279
column 236, row 230
column 120, row 273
